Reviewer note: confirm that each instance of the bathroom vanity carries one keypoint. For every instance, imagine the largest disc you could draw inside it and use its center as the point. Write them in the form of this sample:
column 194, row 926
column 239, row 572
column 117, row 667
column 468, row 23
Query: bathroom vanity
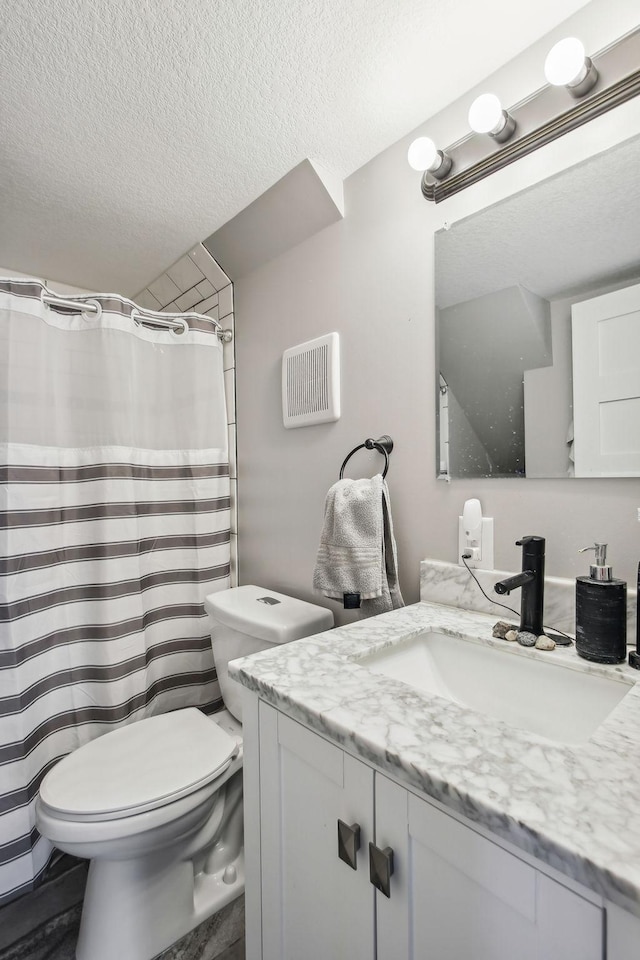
column 491, row 839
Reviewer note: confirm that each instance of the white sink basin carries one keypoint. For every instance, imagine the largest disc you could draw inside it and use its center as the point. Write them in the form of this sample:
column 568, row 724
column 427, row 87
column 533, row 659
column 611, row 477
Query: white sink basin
column 546, row 698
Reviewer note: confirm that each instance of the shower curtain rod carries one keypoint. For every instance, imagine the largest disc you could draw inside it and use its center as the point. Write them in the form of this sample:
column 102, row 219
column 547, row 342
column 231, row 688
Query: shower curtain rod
column 176, row 322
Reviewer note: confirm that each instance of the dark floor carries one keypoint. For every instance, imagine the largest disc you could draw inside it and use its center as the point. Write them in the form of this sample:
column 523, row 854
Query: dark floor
column 46, row 914
column 234, row 952
column 214, row 939
column 43, row 925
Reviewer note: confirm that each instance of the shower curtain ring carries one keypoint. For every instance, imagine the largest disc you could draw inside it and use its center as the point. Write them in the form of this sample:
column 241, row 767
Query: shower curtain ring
column 94, row 313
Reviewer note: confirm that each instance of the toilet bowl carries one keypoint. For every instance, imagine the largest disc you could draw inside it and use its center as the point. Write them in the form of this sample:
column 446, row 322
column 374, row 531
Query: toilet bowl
column 156, row 805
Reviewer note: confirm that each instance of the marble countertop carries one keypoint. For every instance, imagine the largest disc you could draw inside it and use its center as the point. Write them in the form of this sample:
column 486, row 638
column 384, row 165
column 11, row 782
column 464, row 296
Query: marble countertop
column 575, row 807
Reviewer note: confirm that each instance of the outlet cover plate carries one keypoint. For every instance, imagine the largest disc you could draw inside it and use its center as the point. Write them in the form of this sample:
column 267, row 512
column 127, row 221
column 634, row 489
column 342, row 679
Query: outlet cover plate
column 486, row 561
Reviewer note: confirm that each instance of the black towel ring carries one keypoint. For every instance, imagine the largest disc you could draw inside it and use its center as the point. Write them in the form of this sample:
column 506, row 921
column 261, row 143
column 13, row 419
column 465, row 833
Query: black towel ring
column 383, row 444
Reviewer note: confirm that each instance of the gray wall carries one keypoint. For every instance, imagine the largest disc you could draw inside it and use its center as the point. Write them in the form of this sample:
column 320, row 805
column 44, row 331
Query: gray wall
column 370, row 277
column 486, row 345
column 467, row 456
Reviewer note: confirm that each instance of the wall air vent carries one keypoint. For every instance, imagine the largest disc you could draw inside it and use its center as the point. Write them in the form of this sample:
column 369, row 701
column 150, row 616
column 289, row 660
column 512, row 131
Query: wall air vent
column 311, row 382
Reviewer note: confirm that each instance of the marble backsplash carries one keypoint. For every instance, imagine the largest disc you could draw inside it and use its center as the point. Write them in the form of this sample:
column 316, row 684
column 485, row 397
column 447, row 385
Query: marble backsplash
column 451, row 584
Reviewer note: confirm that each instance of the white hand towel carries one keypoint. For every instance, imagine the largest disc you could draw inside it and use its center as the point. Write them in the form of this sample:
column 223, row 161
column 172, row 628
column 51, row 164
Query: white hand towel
column 357, row 552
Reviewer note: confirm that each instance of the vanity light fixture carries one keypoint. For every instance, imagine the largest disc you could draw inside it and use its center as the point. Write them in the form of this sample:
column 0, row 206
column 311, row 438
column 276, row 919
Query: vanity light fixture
column 487, row 116
column 578, row 90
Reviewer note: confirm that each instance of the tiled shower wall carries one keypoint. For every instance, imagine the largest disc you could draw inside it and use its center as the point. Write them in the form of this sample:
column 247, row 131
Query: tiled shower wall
column 196, row 282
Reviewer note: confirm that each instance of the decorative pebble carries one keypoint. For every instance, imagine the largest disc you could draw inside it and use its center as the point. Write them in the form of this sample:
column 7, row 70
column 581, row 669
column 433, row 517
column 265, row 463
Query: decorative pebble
column 501, row 629
column 545, row 643
column 511, row 635
column 526, row 639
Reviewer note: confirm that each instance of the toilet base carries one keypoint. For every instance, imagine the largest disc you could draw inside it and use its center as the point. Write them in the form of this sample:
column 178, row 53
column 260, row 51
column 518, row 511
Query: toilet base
column 133, row 910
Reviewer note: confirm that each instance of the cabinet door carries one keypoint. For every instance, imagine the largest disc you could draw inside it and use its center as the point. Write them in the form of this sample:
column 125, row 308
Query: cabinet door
column 314, row 906
column 623, row 934
column 458, row 896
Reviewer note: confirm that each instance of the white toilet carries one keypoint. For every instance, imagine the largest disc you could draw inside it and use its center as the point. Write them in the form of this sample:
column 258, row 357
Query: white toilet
column 157, row 805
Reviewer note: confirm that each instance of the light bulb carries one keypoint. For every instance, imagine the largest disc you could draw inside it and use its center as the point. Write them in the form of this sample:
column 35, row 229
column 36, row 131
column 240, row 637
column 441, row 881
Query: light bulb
column 422, row 154
column 486, row 114
column 566, row 63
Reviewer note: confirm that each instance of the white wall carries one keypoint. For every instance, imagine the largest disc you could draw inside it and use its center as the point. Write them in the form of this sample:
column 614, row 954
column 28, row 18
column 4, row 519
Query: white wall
column 370, row 277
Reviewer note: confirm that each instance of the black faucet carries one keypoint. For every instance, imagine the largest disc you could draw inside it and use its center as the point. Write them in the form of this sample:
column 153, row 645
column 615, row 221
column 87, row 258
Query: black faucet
column 532, row 582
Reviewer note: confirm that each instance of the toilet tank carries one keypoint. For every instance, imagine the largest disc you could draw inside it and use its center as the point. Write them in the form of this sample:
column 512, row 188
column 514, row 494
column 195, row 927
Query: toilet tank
column 247, row 619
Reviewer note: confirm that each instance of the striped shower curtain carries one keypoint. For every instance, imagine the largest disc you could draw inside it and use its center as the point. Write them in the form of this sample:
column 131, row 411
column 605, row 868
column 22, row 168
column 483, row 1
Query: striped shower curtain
column 114, row 525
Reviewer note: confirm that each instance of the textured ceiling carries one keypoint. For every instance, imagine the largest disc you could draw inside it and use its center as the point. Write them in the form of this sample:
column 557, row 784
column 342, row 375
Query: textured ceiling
column 568, row 235
column 131, row 129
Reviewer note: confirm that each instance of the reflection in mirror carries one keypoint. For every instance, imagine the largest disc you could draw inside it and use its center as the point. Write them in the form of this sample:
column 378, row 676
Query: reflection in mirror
column 538, row 328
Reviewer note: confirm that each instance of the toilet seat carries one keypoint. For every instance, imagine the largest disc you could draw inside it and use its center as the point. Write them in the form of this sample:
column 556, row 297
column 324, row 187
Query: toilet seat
column 138, row 768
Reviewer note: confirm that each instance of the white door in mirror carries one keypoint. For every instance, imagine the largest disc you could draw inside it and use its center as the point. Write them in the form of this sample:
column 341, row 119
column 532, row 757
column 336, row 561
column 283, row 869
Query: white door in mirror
column 606, row 384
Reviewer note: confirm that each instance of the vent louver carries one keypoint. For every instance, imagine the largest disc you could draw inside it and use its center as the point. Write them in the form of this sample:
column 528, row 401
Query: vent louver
column 311, row 382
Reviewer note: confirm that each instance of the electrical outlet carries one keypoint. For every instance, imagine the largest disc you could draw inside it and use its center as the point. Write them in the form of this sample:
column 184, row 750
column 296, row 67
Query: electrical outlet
column 481, row 557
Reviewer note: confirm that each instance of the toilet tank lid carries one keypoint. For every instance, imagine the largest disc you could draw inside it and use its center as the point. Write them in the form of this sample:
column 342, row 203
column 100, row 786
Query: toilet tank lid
column 267, row 615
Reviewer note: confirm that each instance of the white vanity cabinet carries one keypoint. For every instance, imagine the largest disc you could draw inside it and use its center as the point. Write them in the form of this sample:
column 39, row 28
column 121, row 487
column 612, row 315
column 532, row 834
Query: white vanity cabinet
column 454, row 894
column 313, row 904
column 461, row 895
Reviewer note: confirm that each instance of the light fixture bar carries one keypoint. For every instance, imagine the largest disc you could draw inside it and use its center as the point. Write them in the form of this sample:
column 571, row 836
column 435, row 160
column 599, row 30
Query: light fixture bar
column 546, row 115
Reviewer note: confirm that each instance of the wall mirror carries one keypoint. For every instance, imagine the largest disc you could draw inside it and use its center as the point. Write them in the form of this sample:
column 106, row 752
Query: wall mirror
column 538, row 328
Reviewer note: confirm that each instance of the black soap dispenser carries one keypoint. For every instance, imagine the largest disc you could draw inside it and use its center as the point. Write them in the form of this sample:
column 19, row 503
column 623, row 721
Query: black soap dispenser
column 634, row 655
column 601, row 612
